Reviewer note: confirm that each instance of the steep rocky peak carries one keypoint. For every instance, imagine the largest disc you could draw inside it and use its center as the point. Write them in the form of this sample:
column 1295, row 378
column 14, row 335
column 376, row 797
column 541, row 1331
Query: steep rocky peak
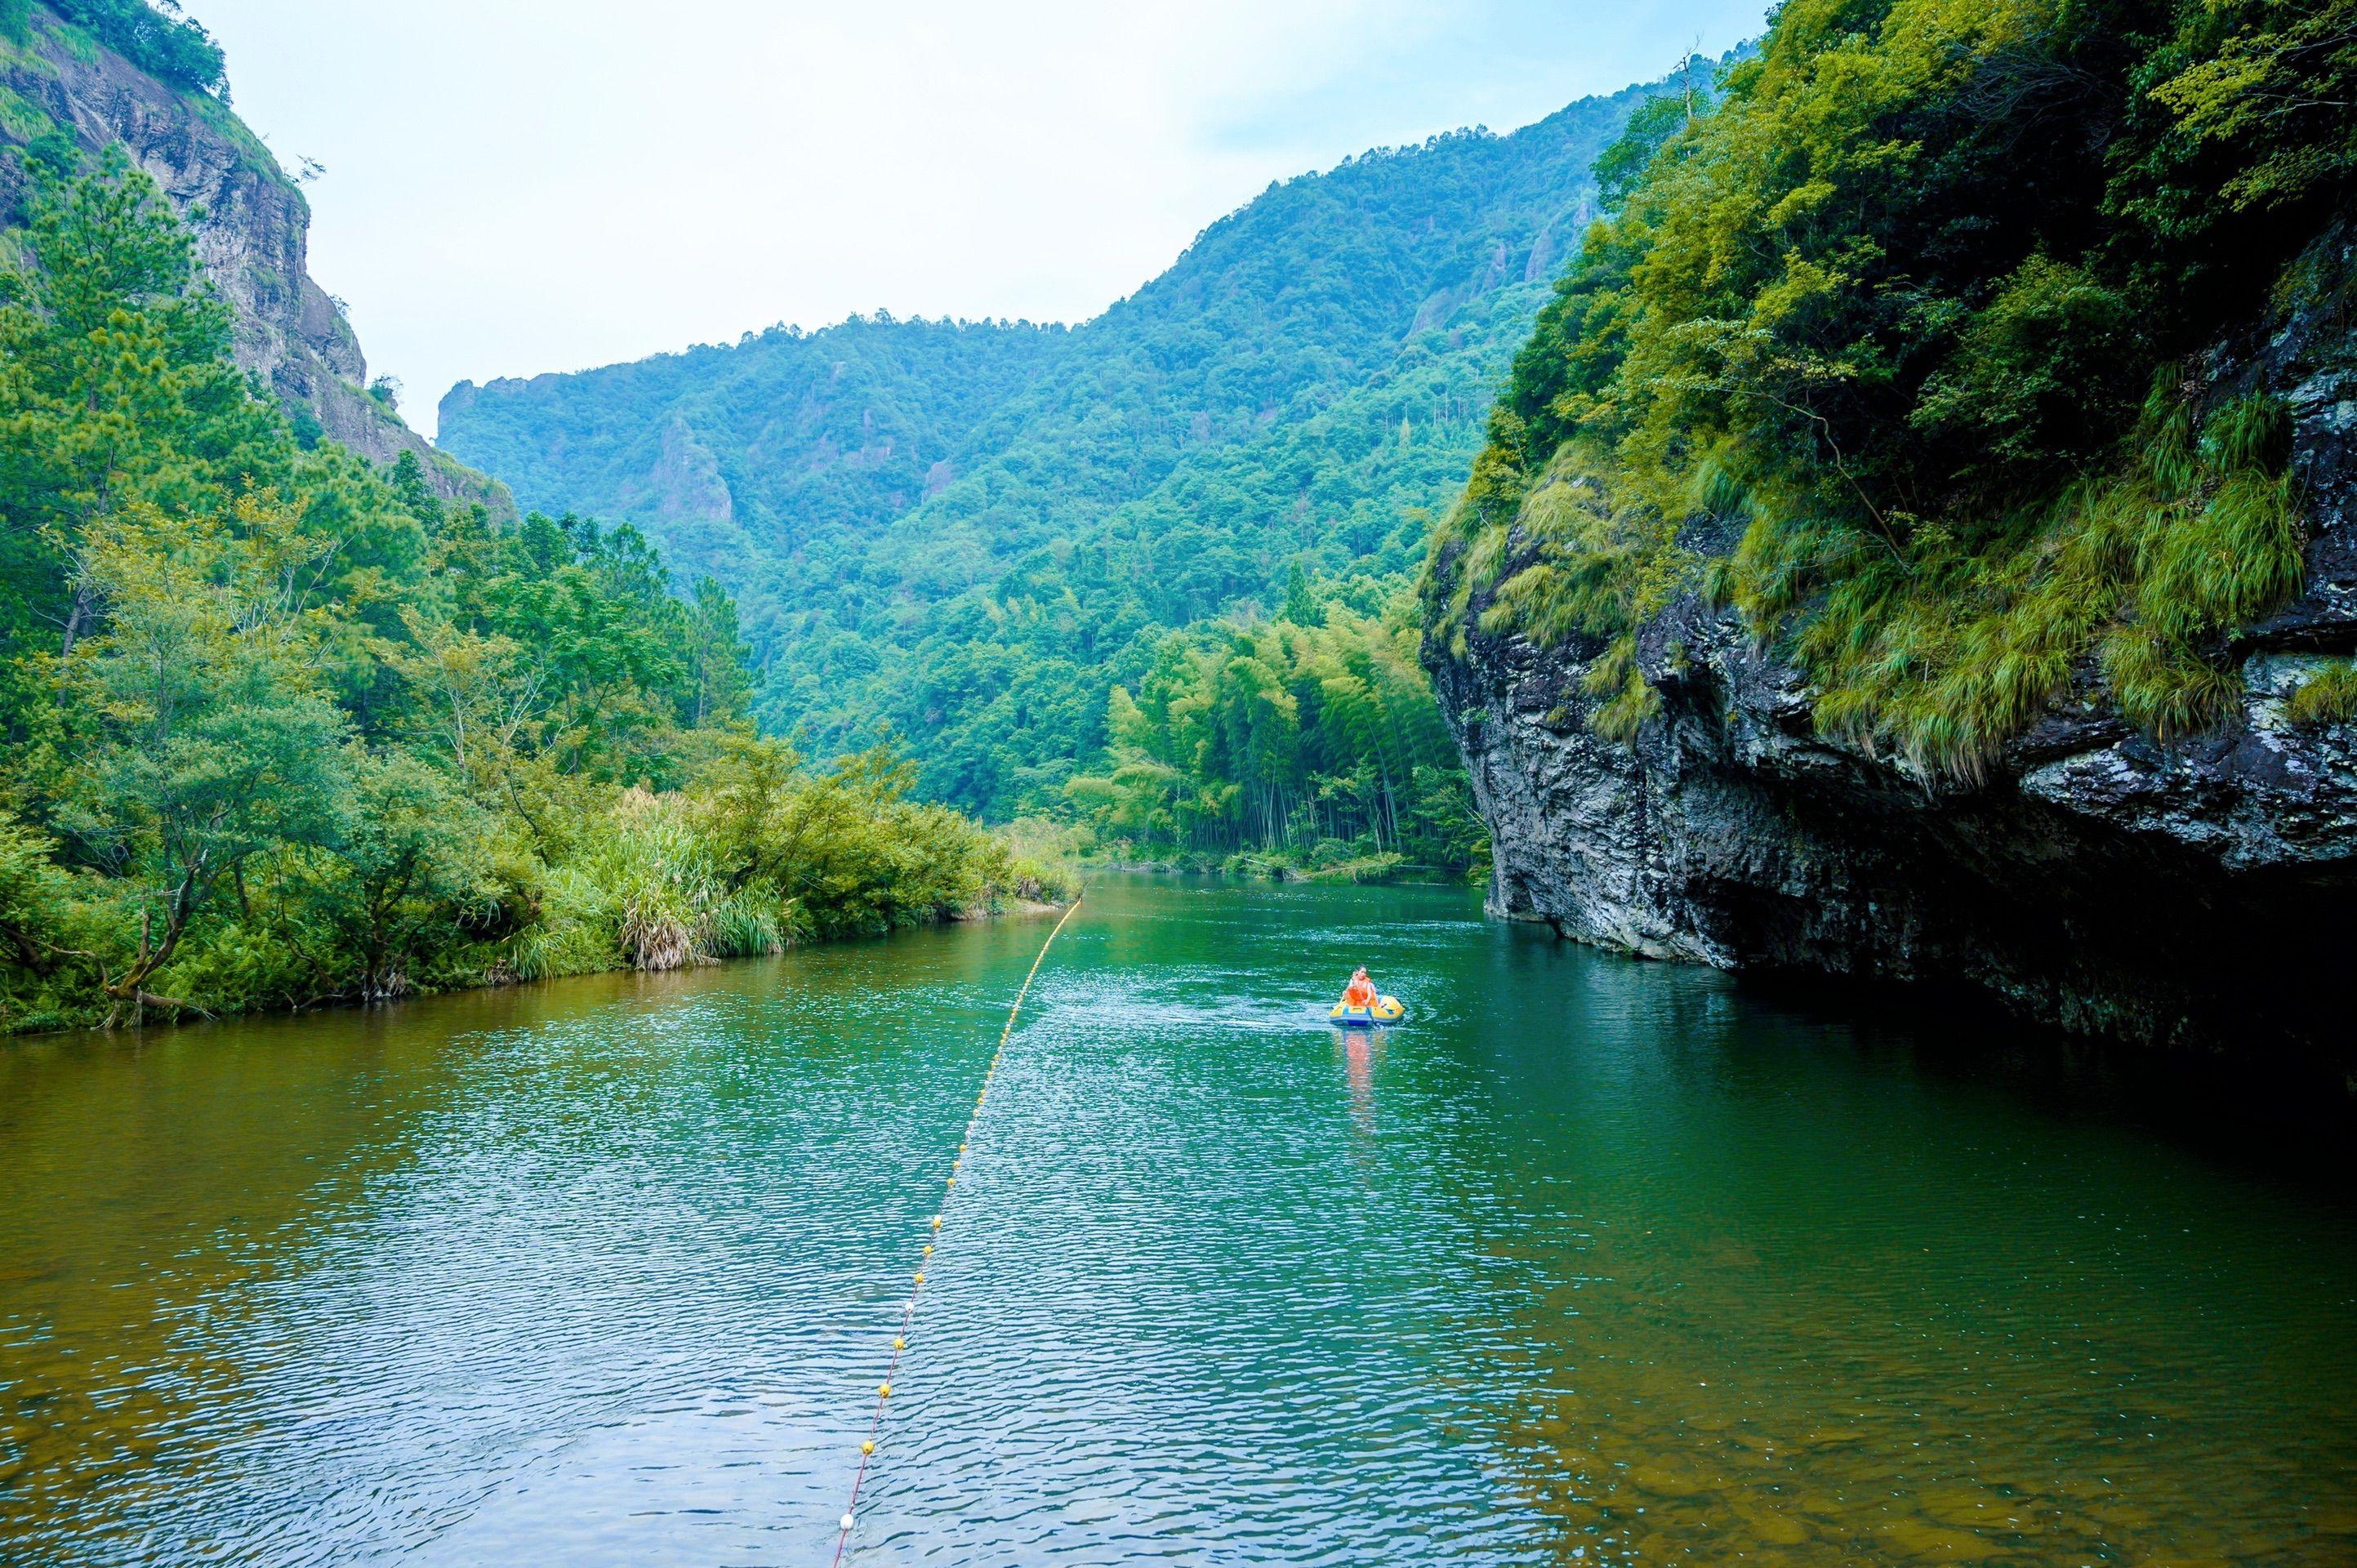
column 250, row 222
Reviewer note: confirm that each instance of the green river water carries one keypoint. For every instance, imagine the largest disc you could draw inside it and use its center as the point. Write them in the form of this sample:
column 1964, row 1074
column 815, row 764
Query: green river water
column 1593, row 1261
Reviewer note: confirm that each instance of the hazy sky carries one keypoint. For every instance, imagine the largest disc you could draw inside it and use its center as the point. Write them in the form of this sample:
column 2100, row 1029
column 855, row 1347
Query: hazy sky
column 519, row 186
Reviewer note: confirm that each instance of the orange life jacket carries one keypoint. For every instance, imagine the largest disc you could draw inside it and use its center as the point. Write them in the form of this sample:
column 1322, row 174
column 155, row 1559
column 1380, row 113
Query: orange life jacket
column 1361, row 993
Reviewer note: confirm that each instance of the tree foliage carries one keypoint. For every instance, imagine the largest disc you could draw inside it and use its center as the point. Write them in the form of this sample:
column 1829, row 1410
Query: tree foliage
column 1915, row 307
column 1310, row 743
column 277, row 726
column 156, row 39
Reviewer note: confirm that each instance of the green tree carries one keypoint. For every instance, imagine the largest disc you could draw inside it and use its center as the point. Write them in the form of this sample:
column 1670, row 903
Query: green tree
column 172, row 48
column 277, row 727
column 116, row 388
column 410, row 866
column 1313, row 745
column 717, row 656
column 213, row 742
column 1300, row 608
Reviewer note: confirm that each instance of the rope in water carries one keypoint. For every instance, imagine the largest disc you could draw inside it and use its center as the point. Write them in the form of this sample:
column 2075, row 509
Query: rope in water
column 949, row 1193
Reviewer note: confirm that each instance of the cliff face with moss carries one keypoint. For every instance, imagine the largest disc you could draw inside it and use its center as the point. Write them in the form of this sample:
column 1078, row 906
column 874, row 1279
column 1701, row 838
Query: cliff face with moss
column 66, row 92
column 2195, row 894
column 1920, row 543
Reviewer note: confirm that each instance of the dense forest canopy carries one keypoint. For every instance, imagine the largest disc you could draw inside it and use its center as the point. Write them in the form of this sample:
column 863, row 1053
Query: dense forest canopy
column 278, row 727
column 967, row 534
column 1919, row 310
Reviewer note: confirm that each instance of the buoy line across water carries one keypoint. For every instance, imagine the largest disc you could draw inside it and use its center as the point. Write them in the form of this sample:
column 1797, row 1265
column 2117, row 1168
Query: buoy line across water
column 949, row 1195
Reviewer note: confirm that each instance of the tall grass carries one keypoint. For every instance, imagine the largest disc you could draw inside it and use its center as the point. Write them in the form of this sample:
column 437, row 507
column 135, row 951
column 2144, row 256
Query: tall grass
column 642, row 893
column 2328, row 696
column 1944, row 655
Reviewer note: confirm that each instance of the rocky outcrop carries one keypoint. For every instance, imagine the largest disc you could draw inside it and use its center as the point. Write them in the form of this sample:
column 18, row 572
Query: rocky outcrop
column 250, row 221
column 686, row 484
column 2201, row 895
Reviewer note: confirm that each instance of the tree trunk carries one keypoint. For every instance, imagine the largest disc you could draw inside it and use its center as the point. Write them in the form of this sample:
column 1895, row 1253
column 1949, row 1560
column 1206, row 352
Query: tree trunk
column 77, row 619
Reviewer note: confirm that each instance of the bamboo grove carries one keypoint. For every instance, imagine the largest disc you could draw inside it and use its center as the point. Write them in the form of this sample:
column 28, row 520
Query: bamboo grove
column 1310, row 744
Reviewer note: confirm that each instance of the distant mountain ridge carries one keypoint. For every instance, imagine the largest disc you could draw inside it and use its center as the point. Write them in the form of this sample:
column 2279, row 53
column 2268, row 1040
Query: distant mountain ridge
column 820, row 431
column 966, row 533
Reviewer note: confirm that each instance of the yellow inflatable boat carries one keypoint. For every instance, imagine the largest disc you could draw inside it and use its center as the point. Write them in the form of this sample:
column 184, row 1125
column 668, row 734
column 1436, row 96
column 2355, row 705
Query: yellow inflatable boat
column 1386, row 1010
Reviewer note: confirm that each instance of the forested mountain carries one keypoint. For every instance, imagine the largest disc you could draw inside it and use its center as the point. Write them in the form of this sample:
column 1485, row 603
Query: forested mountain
column 967, row 534
column 738, row 457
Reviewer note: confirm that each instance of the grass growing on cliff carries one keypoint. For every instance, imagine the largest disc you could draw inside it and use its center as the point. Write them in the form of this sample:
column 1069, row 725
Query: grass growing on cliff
column 1626, row 699
column 2327, row 697
column 1876, row 310
column 1944, row 648
column 1598, row 568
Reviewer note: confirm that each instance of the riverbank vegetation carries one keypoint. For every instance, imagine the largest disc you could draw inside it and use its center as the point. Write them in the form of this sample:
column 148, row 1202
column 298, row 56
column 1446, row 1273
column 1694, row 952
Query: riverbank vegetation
column 1916, row 308
column 1308, row 746
column 278, row 727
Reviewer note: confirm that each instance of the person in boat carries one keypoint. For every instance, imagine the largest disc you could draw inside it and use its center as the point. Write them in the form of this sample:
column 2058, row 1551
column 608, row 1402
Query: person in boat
column 1359, row 995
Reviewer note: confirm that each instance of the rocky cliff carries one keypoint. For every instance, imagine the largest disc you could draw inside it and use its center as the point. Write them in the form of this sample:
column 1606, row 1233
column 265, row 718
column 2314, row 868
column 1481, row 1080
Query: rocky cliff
column 250, row 221
column 2200, row 895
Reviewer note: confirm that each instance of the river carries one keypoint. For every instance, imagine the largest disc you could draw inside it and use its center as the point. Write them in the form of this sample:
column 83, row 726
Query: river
column 1592, row 1262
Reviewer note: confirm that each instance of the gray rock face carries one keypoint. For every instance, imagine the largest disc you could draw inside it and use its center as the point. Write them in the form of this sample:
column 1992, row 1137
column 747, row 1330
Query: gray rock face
column 2201, row 895
column 251, row 224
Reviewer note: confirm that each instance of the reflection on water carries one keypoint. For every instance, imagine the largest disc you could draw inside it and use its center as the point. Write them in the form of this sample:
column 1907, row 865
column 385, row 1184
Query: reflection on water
column 1591, row 1261
column 1359, row 1049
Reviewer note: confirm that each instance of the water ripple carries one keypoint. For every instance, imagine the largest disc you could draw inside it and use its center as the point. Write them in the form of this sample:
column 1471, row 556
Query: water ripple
column 1591, row 1261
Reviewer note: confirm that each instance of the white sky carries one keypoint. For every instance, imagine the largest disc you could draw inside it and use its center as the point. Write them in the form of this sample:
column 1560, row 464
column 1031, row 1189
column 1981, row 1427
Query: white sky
column 519, row 186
